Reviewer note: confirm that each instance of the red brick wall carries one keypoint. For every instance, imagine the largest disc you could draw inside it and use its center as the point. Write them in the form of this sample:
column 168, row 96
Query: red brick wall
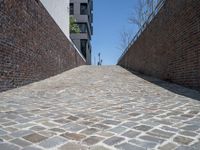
column 32, row 46
column 170, row 46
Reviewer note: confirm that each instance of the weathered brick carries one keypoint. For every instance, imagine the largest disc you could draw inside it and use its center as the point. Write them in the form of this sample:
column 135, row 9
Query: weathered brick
column 32, row 46
column 168, row 48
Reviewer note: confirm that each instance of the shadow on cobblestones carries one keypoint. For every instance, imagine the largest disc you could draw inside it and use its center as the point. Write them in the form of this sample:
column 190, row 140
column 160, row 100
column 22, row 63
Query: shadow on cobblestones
column 175, row 88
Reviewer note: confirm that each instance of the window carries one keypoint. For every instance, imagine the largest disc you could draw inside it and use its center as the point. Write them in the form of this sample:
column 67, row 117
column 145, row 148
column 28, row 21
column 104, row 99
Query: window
column 71, row 8
column 83, row 27
column 83, row 47
column 84, row 9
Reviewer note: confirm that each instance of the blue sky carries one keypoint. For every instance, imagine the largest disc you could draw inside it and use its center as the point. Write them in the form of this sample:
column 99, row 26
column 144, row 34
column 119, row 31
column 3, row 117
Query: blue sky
column 110, row 18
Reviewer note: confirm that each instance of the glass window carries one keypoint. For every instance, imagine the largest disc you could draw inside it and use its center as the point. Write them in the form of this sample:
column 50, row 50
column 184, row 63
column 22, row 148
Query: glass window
column 71, row 8
column 83, row 27
column 83, row 47
column 84, row 9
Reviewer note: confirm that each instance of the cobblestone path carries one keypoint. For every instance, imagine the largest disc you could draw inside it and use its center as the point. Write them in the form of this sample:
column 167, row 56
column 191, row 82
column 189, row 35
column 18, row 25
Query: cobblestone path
column 99, row 108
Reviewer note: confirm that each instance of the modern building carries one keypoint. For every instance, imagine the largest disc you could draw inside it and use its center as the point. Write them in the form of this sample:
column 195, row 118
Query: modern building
column 59, row 11
column 81, row 11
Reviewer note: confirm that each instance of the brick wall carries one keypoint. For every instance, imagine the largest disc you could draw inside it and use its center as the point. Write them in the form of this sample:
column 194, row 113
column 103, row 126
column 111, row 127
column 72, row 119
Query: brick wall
column 32, row 46
column 169, row 48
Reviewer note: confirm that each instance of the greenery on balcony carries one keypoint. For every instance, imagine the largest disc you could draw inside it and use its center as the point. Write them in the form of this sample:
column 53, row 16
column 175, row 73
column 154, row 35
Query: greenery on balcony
column 74, row 28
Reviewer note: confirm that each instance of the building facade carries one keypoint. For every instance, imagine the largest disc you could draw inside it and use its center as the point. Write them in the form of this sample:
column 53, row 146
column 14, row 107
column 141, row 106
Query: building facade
column 81, row 11
column 59, row 11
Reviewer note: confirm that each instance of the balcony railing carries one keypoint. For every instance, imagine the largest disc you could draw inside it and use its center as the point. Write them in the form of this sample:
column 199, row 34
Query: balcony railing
column 147, row 22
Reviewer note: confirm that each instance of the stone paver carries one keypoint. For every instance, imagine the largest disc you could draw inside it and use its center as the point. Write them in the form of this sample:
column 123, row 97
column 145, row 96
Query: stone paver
column 186, row 148
column 127, row 146
column 73, row 136
column 52, row 142
column 143, row 128
column 2, row 132
column 72, row 146
column 183, row 140
column 191, row 127
column 31, row 148
column 20, row 142
column 131, row 134
column 90, row 131
column 113, row 140
column 143, row 144
column 100, row 108
column 21, row 133
column 99, row 148
column 118, row 129
column 168, row 146
column 160, row 133
column 196, row 145
column 92, row 140
column 151, row 139
column 6, row 146
column 34, row 138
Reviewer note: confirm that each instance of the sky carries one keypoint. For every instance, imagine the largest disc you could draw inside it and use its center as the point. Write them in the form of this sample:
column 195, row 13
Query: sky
column 110, row 19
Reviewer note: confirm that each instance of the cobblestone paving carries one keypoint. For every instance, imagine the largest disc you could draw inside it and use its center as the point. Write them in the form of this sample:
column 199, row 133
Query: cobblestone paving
column 99, row 108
